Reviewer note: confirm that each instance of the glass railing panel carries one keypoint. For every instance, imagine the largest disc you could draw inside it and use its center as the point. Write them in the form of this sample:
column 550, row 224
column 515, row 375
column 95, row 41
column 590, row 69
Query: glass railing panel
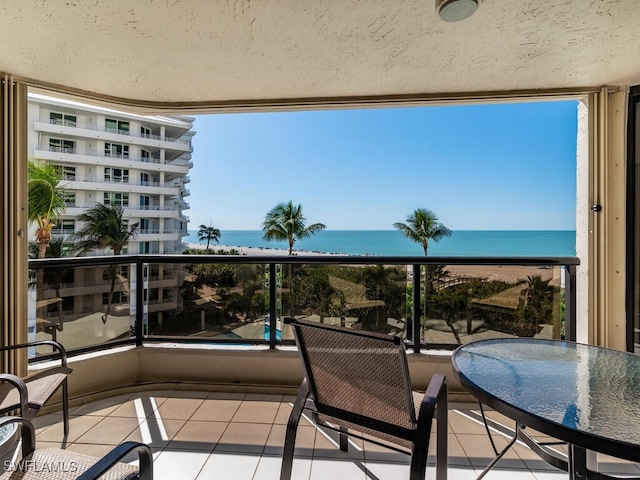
column 81, row 306
column 363, row 297
column 467, row 303
column 216, row 301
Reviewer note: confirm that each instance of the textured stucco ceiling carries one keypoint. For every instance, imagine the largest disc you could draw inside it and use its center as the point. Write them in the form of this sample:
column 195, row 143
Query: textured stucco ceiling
column 215, row 50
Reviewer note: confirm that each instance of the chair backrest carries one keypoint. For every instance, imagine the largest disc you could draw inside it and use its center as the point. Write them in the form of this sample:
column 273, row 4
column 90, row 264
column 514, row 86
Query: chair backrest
column 360, row 377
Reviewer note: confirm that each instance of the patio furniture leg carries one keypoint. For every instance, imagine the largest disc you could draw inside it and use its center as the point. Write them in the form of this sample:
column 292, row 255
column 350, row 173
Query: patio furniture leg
column 344, row 439
column 435, row 401
column 292, row 430
column 65, row 407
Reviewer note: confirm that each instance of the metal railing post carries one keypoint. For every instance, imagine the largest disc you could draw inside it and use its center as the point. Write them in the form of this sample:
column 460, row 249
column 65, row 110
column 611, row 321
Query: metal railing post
column 570, row 327
column 415, row 317
column 139, row 301
column 273, row 325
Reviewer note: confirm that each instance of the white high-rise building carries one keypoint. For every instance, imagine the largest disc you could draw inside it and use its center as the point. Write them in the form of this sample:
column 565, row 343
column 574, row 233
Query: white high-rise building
column 109, row 156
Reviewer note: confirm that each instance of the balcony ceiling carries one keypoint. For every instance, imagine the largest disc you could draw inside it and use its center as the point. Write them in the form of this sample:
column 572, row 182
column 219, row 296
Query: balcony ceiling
column 190, row 52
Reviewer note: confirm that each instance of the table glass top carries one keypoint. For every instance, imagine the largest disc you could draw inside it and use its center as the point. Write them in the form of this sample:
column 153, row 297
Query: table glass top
column 582, row 387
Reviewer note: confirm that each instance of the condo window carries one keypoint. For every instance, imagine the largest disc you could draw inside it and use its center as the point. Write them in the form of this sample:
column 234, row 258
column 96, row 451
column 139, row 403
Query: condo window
column 66, row 227
column 116, row 126
column 113, row 198
column 118, row 297
column 59, row 145
column 68, row 173
column 116, row 150
column 116, row 175
column 70, row 199
column 65, row 305
column 62, row 119
column 145, row 132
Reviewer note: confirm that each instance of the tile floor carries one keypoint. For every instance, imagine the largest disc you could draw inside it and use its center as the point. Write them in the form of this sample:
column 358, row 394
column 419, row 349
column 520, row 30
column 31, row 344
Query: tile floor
column 204, row 435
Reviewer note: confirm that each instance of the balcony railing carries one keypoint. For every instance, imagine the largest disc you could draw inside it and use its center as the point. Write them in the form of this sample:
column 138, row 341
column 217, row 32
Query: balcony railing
column 432, row 302
column 128, row 133
column 95, row 153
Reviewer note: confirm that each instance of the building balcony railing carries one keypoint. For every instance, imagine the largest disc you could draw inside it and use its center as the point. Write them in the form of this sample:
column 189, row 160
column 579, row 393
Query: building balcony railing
column 128, row 133
column 432, row 302
column 122, row 156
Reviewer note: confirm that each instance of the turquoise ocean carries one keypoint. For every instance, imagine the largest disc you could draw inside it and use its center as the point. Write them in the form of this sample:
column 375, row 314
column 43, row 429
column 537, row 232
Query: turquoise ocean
column 462, row 243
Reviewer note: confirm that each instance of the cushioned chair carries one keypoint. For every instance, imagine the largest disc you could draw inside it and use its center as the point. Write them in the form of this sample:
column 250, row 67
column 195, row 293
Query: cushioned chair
column 360, row 381
column 58, row 464
column 31, row 393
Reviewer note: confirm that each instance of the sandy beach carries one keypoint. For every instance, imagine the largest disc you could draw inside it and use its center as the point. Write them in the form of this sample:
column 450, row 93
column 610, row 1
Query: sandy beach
column 505, row 273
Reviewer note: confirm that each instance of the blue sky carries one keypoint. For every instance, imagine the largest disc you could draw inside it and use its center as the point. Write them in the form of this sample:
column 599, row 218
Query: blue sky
column 478, row 167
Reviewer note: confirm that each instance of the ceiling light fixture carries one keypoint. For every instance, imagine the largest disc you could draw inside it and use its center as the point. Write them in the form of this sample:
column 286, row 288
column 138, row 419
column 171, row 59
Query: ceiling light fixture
column 455, row 10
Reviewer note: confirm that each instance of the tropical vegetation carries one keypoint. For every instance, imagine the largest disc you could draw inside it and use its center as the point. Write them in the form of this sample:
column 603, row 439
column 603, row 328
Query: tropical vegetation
column 45, row 203
column 105, row 228
column 285, row 222
column 208, row 233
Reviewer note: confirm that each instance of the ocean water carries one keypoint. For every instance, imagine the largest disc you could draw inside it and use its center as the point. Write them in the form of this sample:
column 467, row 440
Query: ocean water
column 465, row 243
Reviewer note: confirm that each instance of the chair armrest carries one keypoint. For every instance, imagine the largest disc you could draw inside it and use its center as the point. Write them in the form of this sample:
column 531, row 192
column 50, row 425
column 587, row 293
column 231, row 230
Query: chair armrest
column 114, row 456
column 56, row 345
column 27, row 433
column 19, row 384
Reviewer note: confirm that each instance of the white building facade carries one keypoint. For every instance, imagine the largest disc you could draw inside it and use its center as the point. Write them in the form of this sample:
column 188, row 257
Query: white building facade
column 112, row 157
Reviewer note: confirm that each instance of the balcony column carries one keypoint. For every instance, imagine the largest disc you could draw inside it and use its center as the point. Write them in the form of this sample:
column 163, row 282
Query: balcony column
column 13, row 222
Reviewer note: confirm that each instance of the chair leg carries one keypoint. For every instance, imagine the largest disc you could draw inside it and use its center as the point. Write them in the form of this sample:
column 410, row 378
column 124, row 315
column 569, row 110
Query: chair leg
column 292, row 430
column 344, row 439
column 433, row 405
column 65, row 407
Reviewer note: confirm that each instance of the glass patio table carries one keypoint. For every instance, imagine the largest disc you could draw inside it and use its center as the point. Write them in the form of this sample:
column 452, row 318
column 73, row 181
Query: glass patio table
column 586, row 396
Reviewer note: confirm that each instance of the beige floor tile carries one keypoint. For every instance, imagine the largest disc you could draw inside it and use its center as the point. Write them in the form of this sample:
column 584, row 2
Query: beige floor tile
column 305, row 441
column 257, row 411
column 231, row 466
column 460, row 423
column 78, row 426
column 327, row 446
column 198, row 435
column 217, row 410
column 321, row 469
column 180, row 465
column 154, row 433
column 244, row 438
column 101, row 407
column 282, row 416
column 95, row 450
column 42, row 422
column 136, row 407
column 455, row 473
column 179, row 408
column 479, row 451
column 110, row 431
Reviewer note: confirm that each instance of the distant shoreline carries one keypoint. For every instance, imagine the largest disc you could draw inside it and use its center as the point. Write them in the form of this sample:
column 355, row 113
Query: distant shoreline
column 505, row 273
column 257, row 250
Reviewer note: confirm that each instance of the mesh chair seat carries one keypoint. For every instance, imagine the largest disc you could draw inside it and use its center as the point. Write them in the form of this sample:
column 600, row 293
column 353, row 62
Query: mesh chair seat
column 41, row 387
column 29, row 394
column 58, row 464
column 406, row 444
column 360, row 381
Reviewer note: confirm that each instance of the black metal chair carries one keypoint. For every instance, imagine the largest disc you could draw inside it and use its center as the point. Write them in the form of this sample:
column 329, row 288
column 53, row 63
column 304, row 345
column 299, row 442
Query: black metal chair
column 30, row 394
column 59, row 464
column 360, row 381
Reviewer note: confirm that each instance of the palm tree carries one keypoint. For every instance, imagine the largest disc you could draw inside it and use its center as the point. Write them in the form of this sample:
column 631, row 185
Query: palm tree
column 286, row 222
column 53, row 276
column 208, row 233
column 423, row 225
column 105, row 228
column 45, row 204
